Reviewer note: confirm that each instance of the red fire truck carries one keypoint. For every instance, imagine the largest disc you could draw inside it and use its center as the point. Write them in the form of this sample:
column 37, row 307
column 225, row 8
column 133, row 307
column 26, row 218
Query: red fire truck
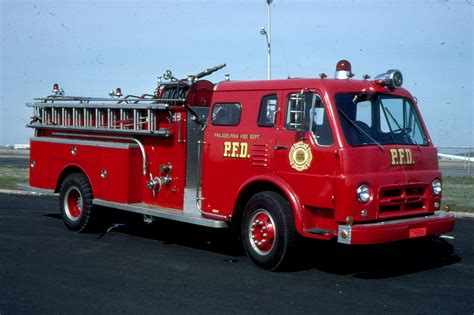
column 332, row 159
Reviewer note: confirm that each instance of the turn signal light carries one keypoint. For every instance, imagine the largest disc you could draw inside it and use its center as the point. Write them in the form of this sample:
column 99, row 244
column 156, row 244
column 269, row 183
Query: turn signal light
column 349, row 220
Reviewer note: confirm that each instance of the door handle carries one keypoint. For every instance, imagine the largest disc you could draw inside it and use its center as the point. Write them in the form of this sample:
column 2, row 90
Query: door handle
column 281, row 147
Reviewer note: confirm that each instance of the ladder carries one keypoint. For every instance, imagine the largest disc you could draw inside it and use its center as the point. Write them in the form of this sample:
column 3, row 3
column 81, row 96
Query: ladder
column 131, row 116
column 296, row 113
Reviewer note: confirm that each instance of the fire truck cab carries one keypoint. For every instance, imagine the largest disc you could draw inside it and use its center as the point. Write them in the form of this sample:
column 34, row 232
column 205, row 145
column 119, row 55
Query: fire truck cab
column 343, row 159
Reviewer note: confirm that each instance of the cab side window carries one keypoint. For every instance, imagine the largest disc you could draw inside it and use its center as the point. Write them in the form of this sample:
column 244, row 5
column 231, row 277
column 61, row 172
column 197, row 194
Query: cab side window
column 226, row 114
column 306, row 112
column 266, row 114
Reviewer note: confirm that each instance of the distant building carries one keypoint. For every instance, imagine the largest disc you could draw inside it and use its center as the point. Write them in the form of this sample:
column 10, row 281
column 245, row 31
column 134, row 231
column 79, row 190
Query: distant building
column 21, row 146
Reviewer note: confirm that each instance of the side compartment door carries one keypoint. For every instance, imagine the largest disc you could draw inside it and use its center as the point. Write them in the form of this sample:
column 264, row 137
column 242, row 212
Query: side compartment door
column 224, row 156
column 238, row 145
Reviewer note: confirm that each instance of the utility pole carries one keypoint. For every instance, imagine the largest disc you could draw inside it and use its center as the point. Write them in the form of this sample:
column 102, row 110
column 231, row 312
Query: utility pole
column 269, row 39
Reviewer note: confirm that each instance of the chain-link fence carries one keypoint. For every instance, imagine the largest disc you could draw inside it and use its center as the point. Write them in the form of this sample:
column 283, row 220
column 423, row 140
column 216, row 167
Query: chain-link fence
column 456, row 161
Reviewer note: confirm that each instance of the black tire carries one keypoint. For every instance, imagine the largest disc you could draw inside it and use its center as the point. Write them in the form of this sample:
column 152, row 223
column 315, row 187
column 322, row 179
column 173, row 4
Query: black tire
column 75, row 202
column 268, row 231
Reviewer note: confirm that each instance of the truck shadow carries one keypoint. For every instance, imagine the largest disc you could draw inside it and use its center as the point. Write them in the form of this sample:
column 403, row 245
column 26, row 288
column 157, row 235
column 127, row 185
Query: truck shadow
column 365, row 262
column 380, row 261
column 169, row 232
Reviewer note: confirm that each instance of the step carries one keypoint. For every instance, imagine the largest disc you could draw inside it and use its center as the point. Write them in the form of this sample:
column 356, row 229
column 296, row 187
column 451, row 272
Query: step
column 319, row 231
column 165, row 213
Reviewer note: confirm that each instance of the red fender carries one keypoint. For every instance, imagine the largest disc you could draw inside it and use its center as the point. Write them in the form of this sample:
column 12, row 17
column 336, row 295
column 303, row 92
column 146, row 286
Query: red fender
column 288, row 192
column 60, row 175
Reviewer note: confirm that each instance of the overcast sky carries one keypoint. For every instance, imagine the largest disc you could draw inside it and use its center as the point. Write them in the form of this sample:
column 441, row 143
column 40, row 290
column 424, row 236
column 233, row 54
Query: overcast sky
column 90, row 47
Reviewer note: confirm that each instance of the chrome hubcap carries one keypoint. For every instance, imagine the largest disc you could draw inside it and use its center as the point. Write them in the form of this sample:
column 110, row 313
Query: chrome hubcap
column 73, row 203
column 262, row 232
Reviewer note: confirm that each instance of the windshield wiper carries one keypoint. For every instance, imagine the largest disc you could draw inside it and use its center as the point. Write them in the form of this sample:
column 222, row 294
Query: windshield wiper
column 353, row 124
column 400, row 128
column 388, row 121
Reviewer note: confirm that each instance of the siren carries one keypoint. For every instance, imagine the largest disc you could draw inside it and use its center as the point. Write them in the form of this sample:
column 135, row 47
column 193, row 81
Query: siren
column 343, row 70
column 392, row 79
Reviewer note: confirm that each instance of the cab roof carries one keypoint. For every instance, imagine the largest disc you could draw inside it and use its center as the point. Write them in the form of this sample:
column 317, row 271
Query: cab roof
column 328, row 85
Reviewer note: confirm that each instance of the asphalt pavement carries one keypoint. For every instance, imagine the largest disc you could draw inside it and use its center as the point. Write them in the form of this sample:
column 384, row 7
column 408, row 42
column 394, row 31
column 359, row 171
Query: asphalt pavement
column 169, row 267
column 15, row 158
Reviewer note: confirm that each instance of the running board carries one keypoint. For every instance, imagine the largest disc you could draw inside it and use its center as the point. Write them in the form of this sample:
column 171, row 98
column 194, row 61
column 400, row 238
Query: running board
column 41, row 191
column 319, row 231
column 165, row 213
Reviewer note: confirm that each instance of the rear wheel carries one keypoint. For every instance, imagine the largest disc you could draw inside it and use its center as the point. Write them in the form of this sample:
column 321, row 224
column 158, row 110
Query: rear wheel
column 268, row 230
column 75, row 202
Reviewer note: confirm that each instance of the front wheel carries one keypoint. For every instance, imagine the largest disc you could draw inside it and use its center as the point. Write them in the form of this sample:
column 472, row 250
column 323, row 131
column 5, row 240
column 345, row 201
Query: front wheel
column 268, row 230
column 75, row 202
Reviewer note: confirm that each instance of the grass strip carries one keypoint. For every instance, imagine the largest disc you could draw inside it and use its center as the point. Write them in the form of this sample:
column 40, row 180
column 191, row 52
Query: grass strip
column 458, row 192
column 10, row 176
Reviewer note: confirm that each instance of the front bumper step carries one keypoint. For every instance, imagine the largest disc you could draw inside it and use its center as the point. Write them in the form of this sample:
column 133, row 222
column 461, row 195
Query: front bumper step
column 396, row 230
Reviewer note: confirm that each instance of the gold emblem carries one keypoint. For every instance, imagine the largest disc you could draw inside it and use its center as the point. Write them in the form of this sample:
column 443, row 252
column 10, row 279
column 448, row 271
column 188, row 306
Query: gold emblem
column 300, row 156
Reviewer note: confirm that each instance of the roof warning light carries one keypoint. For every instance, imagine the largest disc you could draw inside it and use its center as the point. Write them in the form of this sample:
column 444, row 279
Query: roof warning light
column 343, row 70
column 57, row 91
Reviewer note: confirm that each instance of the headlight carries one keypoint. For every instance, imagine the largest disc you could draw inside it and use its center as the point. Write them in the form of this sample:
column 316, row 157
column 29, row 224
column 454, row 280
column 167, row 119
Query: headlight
column 363, row 193
column 436, row 186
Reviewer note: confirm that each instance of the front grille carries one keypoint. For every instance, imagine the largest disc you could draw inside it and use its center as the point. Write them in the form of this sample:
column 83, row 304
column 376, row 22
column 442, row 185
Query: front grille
column 410, row 198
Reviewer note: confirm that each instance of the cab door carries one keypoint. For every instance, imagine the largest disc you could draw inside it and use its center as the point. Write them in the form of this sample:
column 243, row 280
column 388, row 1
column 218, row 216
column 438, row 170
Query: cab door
column 305, row 151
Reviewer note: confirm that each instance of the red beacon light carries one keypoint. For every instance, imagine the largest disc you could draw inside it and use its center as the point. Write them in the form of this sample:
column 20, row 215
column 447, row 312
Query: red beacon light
column 118, row 92
column 343, row 70
column 57, row 91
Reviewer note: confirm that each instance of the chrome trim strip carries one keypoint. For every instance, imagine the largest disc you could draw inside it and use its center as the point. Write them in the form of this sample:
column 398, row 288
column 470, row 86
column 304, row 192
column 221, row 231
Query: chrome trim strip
column 159, row 106
column 165, row 213
column 140, row 145
column 42, row 191
column 198, row 187
column 161, row 132
column 437, row 215
column 102, row 144
column 198, row 179
column 216, row 216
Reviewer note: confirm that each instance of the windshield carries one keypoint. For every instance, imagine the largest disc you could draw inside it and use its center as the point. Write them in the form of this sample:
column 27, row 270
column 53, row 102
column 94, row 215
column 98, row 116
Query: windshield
column 377, row 119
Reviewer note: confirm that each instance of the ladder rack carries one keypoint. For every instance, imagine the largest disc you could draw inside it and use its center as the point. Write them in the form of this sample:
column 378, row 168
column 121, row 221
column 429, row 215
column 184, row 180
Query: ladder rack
column 126, row 115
